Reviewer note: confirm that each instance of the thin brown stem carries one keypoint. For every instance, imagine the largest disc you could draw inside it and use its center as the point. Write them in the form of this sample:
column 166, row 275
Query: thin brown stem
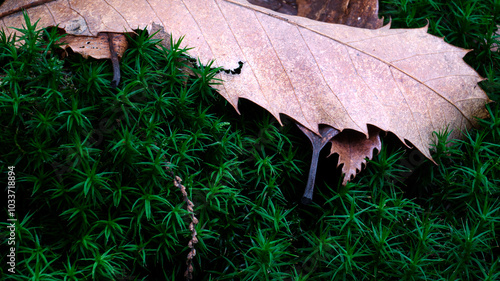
column 114, row 61
column 318, row 142
column 192, row 226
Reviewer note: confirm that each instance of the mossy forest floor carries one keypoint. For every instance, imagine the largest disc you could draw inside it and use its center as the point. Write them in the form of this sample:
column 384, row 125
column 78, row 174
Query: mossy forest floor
column 95, row 201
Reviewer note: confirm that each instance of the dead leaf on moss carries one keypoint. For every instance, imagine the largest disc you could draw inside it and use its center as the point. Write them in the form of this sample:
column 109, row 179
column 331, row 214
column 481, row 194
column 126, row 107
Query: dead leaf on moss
column 353, row 150
column 96, row 47
column 405, row 81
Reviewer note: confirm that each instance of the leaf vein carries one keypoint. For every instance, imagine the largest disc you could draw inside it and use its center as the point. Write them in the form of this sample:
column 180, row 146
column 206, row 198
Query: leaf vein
column 50, row 12
column 84, row 19
column 156, row 14
column 283, row 67
column 415, row 123
column 422, row 55
column 112, row 7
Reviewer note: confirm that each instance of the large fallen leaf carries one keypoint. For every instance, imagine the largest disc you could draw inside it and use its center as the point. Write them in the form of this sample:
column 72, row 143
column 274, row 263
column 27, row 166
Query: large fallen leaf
column 403, row 80
column 352, row 147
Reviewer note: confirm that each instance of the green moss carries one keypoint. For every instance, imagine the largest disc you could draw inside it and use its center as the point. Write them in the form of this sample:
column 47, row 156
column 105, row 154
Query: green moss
column 94, row 199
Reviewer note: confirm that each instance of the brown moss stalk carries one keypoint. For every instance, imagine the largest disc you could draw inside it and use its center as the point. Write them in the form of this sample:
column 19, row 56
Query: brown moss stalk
column 192, row 226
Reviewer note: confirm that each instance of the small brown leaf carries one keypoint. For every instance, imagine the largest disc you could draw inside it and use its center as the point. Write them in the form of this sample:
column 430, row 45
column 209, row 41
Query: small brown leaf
column 159, row 33
column 106, row 45
column 357, row 13
column 96, row 47
column 288, row 7
column 353, row 148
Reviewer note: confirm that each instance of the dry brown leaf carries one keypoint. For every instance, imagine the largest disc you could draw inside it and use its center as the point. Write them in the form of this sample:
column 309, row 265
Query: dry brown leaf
column 357, row 13
column 288, row 7
column 353, row 150
column 159, row 33
column 400, row 80
column 96, row 47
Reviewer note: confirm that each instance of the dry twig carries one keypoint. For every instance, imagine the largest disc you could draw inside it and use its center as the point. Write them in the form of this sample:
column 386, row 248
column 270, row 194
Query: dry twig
column 192, row 226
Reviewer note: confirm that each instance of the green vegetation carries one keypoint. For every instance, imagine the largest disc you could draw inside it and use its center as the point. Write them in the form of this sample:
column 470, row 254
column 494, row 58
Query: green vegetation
column 95, row 200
